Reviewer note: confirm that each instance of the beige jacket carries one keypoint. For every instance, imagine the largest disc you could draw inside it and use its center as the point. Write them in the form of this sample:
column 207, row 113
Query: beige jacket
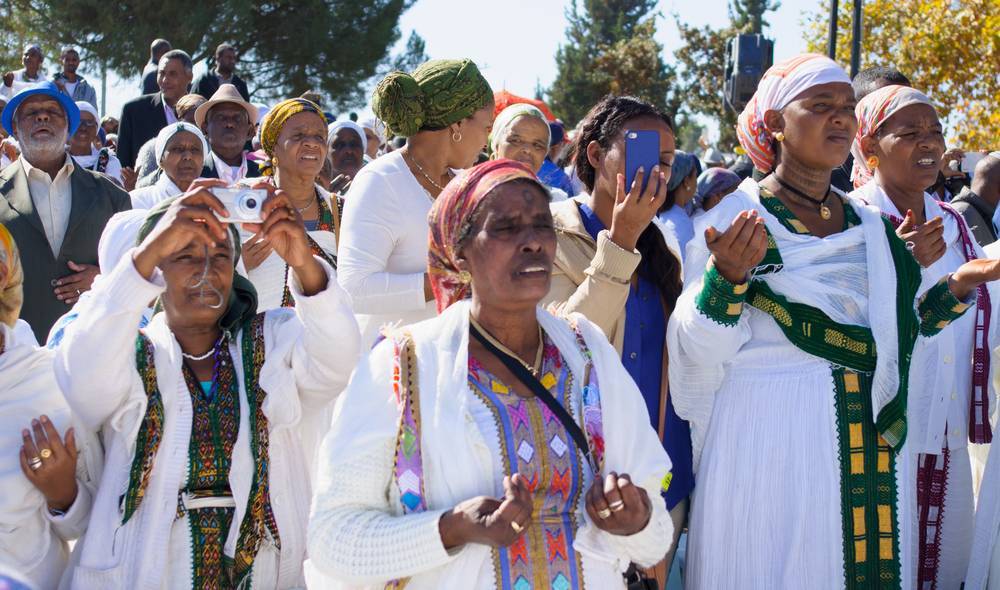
column 590, row 277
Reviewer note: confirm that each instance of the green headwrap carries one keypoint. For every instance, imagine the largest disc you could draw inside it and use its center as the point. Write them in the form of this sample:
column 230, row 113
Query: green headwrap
column 438, row 93
column 242, row 306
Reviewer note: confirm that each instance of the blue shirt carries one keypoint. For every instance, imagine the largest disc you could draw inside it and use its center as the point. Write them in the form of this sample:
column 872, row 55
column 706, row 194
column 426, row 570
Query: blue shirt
column 553, row 176
column 642, row 355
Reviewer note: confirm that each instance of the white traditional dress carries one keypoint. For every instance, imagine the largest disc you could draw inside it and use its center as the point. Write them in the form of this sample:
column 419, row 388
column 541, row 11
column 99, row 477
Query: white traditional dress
column 949, row 405
column 201, row 491
column 33, row 541
column 423, row 427
column 796, row 422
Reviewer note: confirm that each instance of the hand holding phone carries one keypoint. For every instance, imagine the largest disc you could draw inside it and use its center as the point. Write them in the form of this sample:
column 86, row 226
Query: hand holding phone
column 641, row 191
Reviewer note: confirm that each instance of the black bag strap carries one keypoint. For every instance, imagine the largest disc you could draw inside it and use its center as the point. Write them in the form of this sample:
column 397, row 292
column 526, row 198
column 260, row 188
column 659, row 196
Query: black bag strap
column 526, row 377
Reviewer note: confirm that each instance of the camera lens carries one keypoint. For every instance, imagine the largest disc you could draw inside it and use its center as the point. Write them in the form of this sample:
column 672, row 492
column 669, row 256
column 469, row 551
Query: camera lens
column 251, row 203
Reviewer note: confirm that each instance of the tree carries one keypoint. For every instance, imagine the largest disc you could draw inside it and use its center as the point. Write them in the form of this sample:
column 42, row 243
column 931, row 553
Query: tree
column 611, row 49
column 412, row 56
column 747, row 16
column 286, row 46
column 943, row 46
column 703, row 57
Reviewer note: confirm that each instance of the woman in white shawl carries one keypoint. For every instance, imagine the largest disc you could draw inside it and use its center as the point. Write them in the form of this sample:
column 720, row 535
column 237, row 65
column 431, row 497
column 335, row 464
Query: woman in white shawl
column 797, row 423
column 453, row 462
column 897, row 154
column 206, row 481
column 180, row 150
column 45, row 500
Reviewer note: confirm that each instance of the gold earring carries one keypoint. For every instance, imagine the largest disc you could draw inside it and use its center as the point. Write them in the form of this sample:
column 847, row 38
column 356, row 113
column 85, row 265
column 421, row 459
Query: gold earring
column 779, row 136
column 274, row 161
column 872, row 162
column 464, row 277
column 456, row 136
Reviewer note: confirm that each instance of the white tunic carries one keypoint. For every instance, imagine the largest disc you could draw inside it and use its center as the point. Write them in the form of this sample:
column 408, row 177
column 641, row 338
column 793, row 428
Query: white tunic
column 357, row 535
column 95, row 368
column 33, row 542
column 941, row 388
column 766, row 509
column 383, row 252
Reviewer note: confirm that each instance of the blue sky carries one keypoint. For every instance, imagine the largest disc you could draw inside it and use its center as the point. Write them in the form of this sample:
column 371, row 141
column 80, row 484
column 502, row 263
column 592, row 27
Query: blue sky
column 514, row 42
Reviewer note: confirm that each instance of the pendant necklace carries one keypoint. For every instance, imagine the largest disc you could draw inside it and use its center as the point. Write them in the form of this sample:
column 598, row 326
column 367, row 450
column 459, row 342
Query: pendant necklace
column 824, row 211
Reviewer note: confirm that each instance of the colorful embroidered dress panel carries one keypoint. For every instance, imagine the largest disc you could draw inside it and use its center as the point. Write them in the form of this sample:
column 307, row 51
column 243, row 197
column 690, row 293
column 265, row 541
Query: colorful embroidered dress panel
column 534, row 443
column 215, row 424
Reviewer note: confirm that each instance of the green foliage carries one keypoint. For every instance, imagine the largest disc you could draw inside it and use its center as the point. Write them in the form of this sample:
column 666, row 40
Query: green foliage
column 611, row 49
column 747, row 16
column 286, row 47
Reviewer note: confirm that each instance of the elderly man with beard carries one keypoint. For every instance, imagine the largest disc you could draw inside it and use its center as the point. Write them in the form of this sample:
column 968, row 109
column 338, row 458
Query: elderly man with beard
column 55, row 210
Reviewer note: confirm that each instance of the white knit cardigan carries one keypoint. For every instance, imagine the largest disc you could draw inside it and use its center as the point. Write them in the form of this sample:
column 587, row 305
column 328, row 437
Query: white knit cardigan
column 310, row 352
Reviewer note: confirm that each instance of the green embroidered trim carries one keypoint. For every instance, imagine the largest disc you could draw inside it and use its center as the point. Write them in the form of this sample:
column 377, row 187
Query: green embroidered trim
column 867, row 488
column 891, row 420
column 150, row 431
column 938, row 308
column 259, row 518
column 788, row 219
column 720, row 300
column 812, row 331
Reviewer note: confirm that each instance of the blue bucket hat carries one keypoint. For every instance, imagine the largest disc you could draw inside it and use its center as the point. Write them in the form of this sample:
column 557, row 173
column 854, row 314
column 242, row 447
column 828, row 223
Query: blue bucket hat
column 49, row 89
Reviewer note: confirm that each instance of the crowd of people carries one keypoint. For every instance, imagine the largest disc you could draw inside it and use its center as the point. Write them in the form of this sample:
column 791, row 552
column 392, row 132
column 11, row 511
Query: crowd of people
column 451, row 348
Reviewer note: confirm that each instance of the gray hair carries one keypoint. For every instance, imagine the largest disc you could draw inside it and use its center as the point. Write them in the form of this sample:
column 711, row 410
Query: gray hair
column 181, row 55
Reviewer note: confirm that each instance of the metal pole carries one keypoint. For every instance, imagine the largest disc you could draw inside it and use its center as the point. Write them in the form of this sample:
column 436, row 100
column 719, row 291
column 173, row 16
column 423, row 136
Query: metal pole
column 856, row 38
column 831, row 43
column 104, row 88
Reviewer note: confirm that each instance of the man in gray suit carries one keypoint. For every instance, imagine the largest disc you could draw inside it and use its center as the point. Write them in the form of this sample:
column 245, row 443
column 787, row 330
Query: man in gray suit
column 56, row 211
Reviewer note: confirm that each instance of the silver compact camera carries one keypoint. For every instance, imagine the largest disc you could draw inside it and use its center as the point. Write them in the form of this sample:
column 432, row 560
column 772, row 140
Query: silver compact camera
column 243, row 204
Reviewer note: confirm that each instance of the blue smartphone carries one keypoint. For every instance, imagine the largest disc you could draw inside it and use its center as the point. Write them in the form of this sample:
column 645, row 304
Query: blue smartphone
column 642, row 148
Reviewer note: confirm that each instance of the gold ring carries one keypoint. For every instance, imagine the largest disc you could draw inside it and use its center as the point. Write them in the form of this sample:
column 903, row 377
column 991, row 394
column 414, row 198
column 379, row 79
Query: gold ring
column 617, row 505
column 517, row 528
column 34, row 463
column 603, row 513
column 45, row 453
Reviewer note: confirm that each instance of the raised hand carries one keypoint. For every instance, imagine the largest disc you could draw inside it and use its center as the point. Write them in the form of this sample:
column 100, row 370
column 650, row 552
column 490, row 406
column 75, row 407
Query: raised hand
column 286, row 234
column 739, row 248
column 972, row 274
column 129, row 178
column 635, row 210
column 925, row 241
column 618, row 506
column 255, row 251
column 190, row 218
column 489, row 521
column 49, row 463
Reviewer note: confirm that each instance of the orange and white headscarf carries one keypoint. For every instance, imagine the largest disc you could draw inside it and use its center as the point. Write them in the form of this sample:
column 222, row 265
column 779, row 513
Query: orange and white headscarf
column 11, row 294
column 781, row 84
column 872, row 112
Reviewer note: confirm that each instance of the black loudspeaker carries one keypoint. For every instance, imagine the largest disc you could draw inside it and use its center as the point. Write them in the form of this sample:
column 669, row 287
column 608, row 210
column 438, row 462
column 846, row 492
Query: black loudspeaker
column 747, row 58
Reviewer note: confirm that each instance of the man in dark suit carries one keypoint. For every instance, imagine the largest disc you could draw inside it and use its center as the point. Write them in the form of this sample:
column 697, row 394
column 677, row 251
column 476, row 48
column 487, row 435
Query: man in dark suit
column 143, row 117
column 208, row 83
column 56, row 211
column 228, row 123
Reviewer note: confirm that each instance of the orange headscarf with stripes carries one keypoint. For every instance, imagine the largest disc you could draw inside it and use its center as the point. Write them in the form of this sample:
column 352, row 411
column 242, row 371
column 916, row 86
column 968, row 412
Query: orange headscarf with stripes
column 11, row 279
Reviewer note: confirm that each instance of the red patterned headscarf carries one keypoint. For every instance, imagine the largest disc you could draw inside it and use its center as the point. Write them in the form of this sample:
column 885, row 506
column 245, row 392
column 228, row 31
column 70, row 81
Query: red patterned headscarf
column 872, row 112
column 781, row 84
column 450, row 216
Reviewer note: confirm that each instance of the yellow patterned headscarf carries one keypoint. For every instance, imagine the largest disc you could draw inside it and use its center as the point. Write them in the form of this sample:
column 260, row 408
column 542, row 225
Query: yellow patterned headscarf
column 271, row 126
column 11, row 293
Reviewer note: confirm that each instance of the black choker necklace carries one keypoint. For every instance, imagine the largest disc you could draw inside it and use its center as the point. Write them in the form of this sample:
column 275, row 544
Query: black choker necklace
column 824, row 211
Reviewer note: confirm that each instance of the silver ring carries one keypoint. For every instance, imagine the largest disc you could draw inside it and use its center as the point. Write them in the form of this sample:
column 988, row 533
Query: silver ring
column 604, row 513
column 35, row 463
column 517, row 528
column 617, row 506
column 910, row 246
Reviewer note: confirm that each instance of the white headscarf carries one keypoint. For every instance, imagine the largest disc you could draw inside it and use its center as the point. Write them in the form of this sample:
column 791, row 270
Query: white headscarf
column 336, row 126
column 505, row 120
column 168, row 132
column 86, row 107
column 377, row 127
